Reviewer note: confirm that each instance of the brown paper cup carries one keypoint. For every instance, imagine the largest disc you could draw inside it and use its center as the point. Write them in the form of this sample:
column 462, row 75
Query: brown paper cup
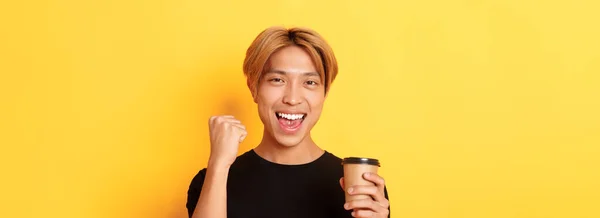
column 354, row 168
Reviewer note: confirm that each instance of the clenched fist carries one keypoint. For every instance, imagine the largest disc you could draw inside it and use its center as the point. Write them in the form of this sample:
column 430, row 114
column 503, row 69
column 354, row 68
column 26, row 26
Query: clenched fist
column 226, row 134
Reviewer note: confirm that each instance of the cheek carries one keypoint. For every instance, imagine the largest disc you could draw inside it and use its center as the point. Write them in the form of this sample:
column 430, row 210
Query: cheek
column 264, row 109
column 266, row 98
column 271, row 93
column 316, row 101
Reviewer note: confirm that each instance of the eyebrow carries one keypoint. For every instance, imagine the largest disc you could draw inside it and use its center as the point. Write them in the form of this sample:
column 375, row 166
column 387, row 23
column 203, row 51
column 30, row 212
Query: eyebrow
column 285, row 73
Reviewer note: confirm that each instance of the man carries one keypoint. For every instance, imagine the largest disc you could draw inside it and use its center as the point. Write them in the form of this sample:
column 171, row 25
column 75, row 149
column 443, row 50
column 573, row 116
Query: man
column 289, row 72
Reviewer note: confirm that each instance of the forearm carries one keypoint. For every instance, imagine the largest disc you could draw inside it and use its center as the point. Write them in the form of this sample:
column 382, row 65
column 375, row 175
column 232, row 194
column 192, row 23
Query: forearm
column 213, row 197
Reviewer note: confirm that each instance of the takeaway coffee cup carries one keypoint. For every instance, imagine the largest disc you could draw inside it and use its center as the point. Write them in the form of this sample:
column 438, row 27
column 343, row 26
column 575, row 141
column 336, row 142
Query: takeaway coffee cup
column 354, row 168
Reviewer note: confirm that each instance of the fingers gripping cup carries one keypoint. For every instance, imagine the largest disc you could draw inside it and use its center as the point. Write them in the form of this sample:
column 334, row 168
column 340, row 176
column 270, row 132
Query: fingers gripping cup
column 354, row 168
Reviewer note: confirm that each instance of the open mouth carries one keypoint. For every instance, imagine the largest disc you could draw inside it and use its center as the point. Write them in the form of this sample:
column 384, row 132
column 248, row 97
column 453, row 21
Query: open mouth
column 289, row 122
column 290, row 116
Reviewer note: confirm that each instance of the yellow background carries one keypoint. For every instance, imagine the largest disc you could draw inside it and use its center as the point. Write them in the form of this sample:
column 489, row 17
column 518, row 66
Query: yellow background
column 475, row 108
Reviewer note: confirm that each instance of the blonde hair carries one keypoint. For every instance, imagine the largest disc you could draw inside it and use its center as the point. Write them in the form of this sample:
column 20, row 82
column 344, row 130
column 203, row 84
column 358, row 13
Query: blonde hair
column 274, row 38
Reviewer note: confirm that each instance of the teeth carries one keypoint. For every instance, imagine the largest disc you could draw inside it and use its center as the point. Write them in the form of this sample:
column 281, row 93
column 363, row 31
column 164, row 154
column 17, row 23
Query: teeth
column 291, row 116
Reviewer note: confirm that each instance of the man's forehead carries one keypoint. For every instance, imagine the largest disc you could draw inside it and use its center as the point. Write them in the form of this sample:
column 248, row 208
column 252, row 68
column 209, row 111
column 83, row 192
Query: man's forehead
column 292, row 72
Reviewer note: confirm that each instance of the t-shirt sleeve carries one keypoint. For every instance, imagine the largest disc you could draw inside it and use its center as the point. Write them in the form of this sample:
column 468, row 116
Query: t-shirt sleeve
column 193, row 193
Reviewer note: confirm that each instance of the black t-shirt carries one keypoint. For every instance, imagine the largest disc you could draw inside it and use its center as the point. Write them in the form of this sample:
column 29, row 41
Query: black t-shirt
column 259, row 188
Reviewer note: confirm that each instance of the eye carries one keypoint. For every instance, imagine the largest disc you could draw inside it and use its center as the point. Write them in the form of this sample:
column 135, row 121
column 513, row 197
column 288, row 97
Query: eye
column 312, row 83
column 276, row 80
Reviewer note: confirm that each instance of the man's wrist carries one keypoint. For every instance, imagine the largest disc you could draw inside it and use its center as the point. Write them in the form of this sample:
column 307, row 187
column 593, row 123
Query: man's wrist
column 218, row 166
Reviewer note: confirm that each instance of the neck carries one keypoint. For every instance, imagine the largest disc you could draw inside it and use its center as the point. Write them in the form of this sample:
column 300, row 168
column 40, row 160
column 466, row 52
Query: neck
column 304, row 152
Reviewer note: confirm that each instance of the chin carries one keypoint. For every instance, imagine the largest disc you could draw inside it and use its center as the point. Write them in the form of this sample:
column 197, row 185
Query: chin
column 289, row 141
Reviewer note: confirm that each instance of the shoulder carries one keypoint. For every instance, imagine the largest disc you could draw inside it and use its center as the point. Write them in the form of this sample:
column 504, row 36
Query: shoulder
column 331, row 160
column 197, row 181
column 246, row 158
column 330, row 164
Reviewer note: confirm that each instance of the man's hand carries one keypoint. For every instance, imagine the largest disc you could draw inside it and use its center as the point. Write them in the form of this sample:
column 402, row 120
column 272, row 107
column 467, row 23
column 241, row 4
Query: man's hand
column 226, row 134
column 378, row 206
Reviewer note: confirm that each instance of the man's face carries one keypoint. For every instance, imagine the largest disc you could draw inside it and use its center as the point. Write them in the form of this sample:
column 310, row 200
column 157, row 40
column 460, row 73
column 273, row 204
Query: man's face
column 290, row 96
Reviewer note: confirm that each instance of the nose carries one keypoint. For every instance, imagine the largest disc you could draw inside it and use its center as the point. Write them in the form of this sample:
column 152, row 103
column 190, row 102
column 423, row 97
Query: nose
column 293, row 95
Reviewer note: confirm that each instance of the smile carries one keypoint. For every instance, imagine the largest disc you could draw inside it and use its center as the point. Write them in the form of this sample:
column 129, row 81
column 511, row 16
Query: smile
column 290, row 123
column 290, row 116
